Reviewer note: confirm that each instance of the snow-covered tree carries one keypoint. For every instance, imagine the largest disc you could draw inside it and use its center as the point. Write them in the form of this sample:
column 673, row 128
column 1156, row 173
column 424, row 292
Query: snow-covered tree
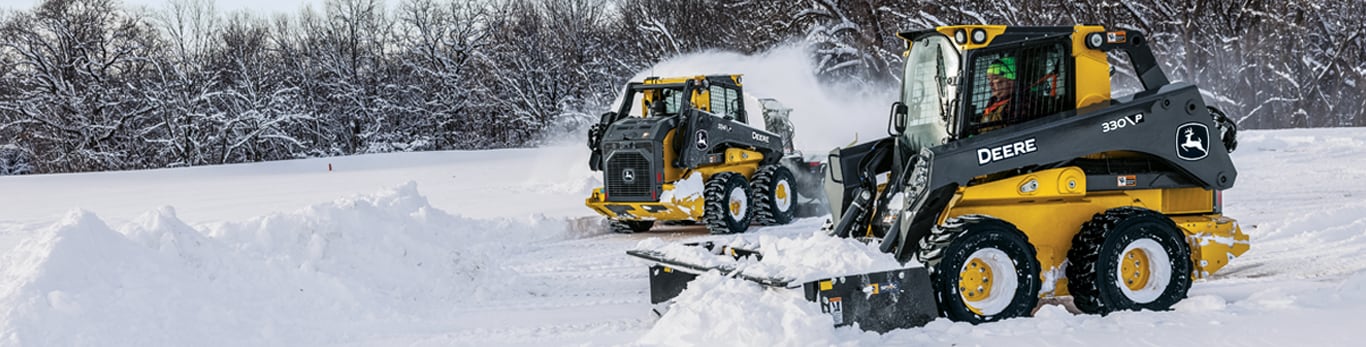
column 78, row 84
column 89, row 85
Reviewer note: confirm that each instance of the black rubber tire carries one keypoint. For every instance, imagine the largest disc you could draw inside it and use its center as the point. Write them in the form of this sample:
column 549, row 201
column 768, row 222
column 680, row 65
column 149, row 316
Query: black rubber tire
column 968, row 235
column 1095, row 255
column 764, row 188
column 717, row 196
column 631, row 226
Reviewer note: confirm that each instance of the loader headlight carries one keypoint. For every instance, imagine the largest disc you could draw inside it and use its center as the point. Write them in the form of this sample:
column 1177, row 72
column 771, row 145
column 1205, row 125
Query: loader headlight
column 979, row 36
column 961, row 36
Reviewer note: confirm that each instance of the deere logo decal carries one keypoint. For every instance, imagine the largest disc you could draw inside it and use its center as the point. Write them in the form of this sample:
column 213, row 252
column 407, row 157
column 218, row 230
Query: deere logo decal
column 628, row 175
column 702, row 140
column 1192, row 141
column 1006, row 151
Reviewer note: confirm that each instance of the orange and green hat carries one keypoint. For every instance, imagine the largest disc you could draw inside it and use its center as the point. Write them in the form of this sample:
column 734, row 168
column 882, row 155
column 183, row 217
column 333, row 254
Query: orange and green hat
column 1004, row 67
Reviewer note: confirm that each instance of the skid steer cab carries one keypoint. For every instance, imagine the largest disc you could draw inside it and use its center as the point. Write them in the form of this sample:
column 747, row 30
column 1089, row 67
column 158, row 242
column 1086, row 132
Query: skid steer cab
column 692, row 150
column 1012, row 175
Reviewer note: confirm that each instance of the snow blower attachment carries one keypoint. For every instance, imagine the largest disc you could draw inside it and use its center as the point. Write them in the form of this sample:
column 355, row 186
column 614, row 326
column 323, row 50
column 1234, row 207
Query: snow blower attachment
column 697, row 154
column 1012, row 175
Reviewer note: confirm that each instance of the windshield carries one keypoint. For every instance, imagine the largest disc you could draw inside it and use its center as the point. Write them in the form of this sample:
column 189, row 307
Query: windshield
column 672, row 96
column 928, row 88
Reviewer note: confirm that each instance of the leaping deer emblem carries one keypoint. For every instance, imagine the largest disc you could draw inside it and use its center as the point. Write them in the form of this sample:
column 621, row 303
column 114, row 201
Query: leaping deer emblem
column 1192, row 142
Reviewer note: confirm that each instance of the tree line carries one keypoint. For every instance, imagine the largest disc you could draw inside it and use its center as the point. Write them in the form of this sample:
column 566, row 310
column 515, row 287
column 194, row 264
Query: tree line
column 92, row 85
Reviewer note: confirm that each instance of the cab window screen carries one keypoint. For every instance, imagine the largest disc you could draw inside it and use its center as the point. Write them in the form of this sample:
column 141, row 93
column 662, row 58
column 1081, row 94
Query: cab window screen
column 723, row 102
column 1015, row 86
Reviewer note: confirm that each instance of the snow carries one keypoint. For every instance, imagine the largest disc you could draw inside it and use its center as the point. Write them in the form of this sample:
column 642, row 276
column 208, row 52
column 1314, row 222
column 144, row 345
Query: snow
column 798, row 259
column 818, row 256
column 488, row 248
column 283, row 278
column 767, row 318
column 476, row 248
column 685, row 190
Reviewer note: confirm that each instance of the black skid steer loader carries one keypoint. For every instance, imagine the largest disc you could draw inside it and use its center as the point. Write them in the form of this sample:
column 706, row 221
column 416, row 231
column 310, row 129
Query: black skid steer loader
column 1012, row 175
column 691, row 149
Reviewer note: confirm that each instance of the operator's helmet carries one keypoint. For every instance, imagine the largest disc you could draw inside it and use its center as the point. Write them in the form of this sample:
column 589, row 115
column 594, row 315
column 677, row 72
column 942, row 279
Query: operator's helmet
column 658, row 107
column 1003, row 68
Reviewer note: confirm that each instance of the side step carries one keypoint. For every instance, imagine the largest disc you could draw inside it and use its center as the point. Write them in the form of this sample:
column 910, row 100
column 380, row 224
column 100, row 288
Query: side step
column 876, row 301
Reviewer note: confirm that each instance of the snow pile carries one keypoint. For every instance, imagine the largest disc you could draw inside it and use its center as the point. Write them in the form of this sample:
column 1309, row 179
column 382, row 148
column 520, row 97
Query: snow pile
column 1354, row 288
column 717, row 309
column 721, row 311
column 685, row 191
column 286, row 278
column 686, row 254
column 799, row 259
column 819, row 256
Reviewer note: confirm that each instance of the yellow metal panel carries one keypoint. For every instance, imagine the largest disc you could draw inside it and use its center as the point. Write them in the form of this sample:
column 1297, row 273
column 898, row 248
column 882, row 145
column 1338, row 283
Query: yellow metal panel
column 1187, row 200
column 1054, row 212
column 992, row 32
column 1214, row 240
column 1093, row 70
column 742, row 161
column 1060, row 183
column 701, row 98
column 682, row 208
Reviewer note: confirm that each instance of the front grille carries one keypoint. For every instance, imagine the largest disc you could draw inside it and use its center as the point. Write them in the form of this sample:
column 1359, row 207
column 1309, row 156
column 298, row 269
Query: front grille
column 618, row 189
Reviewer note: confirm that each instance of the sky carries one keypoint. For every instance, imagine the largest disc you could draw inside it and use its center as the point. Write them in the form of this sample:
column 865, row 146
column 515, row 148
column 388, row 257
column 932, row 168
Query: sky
column 223, row 6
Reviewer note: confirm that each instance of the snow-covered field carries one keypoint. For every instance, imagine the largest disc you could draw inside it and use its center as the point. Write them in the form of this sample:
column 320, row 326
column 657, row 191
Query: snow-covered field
column 491, row 248
column 475, row 248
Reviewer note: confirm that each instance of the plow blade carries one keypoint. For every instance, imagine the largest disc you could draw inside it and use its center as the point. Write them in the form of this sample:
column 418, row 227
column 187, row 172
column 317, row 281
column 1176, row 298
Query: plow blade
column 876, row 301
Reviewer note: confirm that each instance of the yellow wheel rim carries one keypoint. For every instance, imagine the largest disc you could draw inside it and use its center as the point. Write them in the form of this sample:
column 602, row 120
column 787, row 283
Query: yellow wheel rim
column 981, row 290
column 1135, row 269
column 974, row 282
column 781, row 192
column 734, row 207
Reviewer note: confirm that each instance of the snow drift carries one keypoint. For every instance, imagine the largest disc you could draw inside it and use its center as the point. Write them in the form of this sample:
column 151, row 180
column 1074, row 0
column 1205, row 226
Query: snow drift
column 285, row 278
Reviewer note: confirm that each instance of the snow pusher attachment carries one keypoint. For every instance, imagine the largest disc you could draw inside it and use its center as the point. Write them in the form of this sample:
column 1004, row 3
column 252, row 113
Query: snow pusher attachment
column 1012, row 174
column 877, row 301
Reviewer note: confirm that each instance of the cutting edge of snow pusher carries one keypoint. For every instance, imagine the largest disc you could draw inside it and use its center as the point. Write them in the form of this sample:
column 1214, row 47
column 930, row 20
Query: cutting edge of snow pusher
column 875, row 301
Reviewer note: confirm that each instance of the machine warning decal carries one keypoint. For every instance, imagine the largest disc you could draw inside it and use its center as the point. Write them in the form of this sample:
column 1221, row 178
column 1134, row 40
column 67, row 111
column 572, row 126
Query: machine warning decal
column 1006, row 151
column 1121, row 123
column 1116, row 37
column 702, row 140
column 1192, row 141
column 836, row 310
column 1126, row 181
